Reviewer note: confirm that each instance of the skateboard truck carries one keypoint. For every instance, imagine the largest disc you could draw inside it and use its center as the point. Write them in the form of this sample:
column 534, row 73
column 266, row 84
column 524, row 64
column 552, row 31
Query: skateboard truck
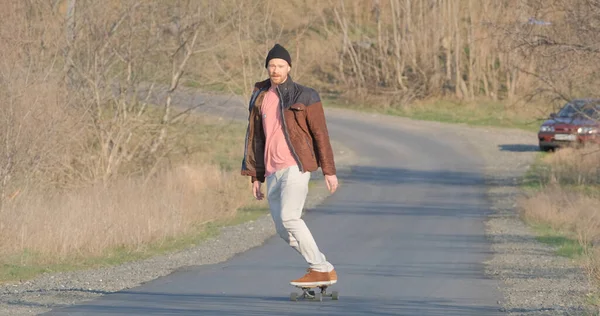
column 309, row 293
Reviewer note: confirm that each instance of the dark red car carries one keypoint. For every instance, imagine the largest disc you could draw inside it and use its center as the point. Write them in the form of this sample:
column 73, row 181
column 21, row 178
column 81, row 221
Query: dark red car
column 577, row 123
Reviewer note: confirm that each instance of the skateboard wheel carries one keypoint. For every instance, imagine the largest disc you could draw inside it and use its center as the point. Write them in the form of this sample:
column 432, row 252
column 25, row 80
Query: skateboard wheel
column 318, row 297
column 335, row 295
column 294, row 296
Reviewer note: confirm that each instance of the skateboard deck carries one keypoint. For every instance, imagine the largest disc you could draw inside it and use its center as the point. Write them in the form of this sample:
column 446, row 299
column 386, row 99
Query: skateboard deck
column 310, row 292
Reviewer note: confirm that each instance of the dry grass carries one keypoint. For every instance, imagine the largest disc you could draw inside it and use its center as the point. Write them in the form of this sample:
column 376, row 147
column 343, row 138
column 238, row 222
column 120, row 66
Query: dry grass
column 396, row 52
column 567, row 200
column 573, row 213
column 128, row 213
column 131, row 217
column 574, row 167
column 86, row 172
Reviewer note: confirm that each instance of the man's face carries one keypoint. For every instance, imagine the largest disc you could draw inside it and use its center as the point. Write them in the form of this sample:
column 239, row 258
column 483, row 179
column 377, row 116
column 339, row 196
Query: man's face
column 278, row 70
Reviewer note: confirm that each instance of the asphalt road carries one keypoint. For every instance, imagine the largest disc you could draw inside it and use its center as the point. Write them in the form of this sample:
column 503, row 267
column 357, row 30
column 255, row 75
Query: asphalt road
column 405, row 231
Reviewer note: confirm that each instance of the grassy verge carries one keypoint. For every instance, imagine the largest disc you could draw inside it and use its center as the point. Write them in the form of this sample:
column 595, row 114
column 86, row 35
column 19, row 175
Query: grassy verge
column 561, row 205
column 199, row 191
column 564, row 245
column 475, row 113
column 27, row 265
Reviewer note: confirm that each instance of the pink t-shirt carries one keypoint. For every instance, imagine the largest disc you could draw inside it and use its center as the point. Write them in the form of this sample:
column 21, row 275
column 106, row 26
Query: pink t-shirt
column 277, row 152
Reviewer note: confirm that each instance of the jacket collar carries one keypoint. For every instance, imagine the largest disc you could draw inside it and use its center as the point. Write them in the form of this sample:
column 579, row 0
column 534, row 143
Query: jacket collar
column 286, row 90
column 266, row 84
column 287, row 85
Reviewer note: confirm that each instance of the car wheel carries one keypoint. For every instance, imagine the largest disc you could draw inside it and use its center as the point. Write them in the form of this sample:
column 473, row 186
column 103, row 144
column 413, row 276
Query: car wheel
column 546, row 148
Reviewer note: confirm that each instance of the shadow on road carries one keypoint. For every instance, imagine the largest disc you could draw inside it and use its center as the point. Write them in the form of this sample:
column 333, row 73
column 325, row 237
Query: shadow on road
column 390, row 176
column 425, row 209
column 147, row 303
column 518, row 148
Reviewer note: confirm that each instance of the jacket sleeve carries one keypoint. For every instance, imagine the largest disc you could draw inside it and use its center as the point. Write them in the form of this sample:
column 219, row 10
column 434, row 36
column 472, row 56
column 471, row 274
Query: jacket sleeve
column 317, row 124
column 253, row 178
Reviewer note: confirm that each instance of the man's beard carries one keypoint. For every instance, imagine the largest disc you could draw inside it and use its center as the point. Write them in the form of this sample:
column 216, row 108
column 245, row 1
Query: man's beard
column 277, row 79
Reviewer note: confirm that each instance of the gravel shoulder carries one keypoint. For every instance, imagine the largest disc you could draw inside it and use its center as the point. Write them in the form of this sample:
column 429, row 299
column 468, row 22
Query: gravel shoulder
column 533, row 280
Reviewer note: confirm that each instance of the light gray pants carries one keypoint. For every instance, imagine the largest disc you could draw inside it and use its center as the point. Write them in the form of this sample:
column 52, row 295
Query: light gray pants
column 286, row 192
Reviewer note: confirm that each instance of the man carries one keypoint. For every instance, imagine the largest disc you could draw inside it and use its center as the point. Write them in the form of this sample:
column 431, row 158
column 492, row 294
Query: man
column 286, row 139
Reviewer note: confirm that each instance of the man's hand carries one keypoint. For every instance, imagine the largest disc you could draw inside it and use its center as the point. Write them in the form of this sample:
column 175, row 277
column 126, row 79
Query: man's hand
column 332, row 183
column 256, row 190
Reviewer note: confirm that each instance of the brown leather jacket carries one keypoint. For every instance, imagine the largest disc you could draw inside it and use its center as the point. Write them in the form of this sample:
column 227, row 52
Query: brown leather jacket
column 304, row 127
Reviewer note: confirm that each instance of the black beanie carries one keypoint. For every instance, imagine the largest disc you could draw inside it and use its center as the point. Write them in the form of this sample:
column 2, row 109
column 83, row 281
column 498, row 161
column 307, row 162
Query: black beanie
column 278, row 52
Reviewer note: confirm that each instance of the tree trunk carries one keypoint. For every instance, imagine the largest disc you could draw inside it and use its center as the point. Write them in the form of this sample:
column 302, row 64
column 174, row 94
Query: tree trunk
column 397, row 44
column 470, row 31
column 457, row 54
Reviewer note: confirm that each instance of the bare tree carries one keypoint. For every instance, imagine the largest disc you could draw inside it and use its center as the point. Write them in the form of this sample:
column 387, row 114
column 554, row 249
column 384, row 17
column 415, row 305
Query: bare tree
column 558, row 46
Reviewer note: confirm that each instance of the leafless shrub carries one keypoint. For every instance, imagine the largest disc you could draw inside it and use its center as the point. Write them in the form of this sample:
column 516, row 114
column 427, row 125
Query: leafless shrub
column 559, row 48
column 82, row 151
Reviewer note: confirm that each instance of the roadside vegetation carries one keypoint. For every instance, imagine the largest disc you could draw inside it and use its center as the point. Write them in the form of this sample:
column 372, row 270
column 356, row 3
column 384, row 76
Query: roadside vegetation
column 561, row 204
column 94, row 170
column 507, row 63
column 132, row 216
column 474, row 113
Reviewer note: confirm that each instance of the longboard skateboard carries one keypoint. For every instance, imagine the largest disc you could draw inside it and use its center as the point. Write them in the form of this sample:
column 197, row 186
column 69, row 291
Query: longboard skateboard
column 309, row 293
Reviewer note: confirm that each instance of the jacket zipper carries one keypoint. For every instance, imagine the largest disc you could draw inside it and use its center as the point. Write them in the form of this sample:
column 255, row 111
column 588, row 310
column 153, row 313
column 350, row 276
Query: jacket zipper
column 285, row 132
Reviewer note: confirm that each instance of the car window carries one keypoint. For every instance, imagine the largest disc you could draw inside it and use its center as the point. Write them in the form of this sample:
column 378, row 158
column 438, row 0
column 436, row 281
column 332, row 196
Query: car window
column 588, row 109
column 592, row 111
column 568, row 110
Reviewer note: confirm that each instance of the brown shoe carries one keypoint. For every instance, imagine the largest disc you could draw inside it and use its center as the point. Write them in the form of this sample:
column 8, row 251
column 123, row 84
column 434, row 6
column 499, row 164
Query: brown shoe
column 312, row 278
column 333, row 276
